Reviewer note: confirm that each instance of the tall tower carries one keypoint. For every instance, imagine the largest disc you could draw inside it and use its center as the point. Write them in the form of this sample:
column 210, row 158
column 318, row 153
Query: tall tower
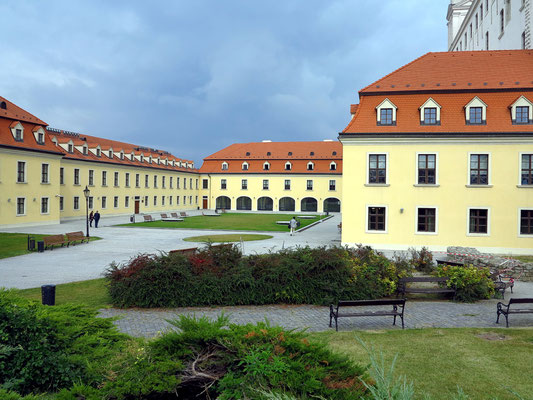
column 457, row 11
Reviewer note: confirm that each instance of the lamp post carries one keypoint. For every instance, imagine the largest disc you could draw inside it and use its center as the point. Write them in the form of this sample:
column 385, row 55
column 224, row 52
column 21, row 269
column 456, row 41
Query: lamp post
column 87, row 193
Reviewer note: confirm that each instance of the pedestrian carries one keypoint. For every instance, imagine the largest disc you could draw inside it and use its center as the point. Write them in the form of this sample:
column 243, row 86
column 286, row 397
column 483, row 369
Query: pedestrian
column 91, row 219
column 96, row 218
column 293, row 224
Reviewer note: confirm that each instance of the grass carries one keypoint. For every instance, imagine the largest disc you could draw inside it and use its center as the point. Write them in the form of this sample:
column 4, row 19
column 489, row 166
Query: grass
column 92, row 293
column 16, row 244
column 230, row 221
column 438, row 360
column 226, row 238
column 526, row 259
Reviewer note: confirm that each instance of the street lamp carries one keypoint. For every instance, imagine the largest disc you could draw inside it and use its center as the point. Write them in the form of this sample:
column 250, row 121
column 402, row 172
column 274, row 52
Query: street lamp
column 87, row 193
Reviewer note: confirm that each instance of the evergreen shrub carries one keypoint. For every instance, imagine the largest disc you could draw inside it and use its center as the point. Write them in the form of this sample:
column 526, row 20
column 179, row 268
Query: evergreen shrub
column 471, row 283
column 222, row 276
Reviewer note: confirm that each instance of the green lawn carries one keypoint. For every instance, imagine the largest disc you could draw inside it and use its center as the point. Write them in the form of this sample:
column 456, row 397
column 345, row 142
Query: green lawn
column 483, row 362
column 92, row 293
column 16, row 244
column 230, row 221
column 245, row 237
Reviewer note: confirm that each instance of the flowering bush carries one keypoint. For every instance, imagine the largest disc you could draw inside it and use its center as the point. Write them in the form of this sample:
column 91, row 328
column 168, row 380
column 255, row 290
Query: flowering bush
column 471, row 283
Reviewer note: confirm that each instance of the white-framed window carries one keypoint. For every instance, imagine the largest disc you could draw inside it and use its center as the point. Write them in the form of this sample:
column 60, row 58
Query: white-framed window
column 287, row 184
column 332, row 184
column 76, row 202
column 427, row 168
column 155, row 201
column 478, row 221
column 127, row 179
column 224, row 166
column 137, row 180
column 127, row 202
column 476, row 112
column 333, row 166
column 426, row 220
column 266, row 166
column 21, row 171
column 76, row 176
column 377, row 172
column 162, row 201
column 146, row 201
column 288, row 166
column 310, row 166
column 244, row 184
column 430, row 112
column 170, row 199
column 177, row 200
column 522, row 111
column 171, row 182
column 45, row 176
column 196, row 200
column 104, row 201
column 17, row 130
column 155, row 181
column 190, row 199
column 526, row 169
column 376, row 218
column 386, row 113
column 265, row 184
column 98, row 152
column 525, row 222
column 223, row 184
column 61, row 175
column 146, row 178
column 104, row 178
column 163, row 178
column 21, row 206
column 309, row 185
column 85, row 150
column 70, row 148
column 91, row 177
column 115, row 202
column 90, row 202
column 479, row 169
column 177, row 182
column 61, row 203
column 116, row 179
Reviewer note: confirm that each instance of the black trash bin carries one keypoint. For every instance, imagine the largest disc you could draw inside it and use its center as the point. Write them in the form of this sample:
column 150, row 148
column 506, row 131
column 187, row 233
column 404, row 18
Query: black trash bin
column 31, row 243
column 40, row 246
column 48, row 294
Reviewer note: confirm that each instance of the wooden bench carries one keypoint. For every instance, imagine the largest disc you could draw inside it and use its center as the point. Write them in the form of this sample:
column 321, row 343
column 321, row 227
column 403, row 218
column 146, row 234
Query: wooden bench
column 51, row 240
column 403, row 288
column 174, row 215
column 75, row 236
column 148, row 218
column 398, row 306
column 506, row 309
column 164, row 217
column 185, row 252
column 183, row 214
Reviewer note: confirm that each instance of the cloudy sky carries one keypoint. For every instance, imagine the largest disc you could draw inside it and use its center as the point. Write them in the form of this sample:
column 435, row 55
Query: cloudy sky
column 192, row 77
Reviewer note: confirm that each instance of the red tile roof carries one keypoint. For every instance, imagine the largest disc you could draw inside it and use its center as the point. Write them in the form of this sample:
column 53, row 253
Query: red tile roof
column 14, row 112
column 461, row 70
column 29, row 142
column 256, row 154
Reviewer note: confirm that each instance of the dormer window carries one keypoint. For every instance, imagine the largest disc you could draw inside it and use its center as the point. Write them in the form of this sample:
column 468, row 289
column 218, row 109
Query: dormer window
column 122, row 155
column 84, row 150
column 310, row 166
column 110, row 153
column 312, row 153
column 476, row 112
column 290, row 153
column 18, row 135
column 269, row 153
column 288, row 166
column 386, row 113
column 334, row 153
column 266, row 166
column 40, row 137
column 522, row 111
column 3, row 105
column 247, row 154
column 142, row 158
column 245, row 166
column 70, row 148
column 98, row 153
column 333, row 166
column 224, row 166
column 430, row 113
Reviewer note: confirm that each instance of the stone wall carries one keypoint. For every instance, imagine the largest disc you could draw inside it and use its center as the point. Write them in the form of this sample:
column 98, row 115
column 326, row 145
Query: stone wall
column 472, row 256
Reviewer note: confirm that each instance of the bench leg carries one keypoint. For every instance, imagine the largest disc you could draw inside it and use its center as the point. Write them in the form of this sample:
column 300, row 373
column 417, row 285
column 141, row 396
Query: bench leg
column 498, row 318
column 394, row 322
column 507, row 320
column 336, row 326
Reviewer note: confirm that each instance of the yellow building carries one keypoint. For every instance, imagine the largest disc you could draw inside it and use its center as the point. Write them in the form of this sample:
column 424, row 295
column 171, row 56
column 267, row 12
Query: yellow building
column 43, row 173
column 274, row 176
column 440, row 153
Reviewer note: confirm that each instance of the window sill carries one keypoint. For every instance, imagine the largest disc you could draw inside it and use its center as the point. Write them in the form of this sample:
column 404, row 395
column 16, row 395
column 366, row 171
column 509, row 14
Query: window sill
column 21, row 215
column 426, row 233
column 22, row 183
column 116, row 186
column 426, row 185
column 478, row 234
column 376, row 232
column 45, row 183
column 332, row 190
column 76, row 184
column 525, row 186
column 478, row 186
column 377, row 184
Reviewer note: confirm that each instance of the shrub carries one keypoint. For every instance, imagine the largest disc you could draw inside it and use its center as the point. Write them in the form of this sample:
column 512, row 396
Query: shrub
column 222, row 276
column 47, row 348
column 422, row 260
column 471, row 283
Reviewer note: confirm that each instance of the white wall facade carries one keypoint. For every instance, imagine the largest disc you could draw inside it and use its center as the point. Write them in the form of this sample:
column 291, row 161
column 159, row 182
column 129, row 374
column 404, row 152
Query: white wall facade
column 477, row 25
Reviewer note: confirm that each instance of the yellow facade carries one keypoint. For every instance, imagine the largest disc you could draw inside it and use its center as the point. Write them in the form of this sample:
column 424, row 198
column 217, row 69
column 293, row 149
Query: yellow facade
column 32, row 190
column 276, row 191
column 452, row 196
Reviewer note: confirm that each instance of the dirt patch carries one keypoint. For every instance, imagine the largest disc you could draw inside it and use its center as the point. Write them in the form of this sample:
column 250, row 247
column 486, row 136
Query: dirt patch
column 493, row 336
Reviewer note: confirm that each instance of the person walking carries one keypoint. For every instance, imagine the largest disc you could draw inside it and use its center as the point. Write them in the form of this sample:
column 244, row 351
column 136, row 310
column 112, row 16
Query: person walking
column 96, row 218
column 91, row 219
column 293, row 224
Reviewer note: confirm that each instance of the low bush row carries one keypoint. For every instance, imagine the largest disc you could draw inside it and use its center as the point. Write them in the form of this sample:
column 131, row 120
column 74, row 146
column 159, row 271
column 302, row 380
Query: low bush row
column 222, row 276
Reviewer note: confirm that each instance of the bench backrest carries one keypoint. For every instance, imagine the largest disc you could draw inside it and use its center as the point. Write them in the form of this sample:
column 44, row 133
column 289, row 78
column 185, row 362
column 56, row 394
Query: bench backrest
column 164, row 216
column 183, row 214
column 185, row 252
column 520, row 301
column 357, row 303
column 147, row 218
column 71, row 235
column 174, row 215
column 53, row 238
column 424, row 279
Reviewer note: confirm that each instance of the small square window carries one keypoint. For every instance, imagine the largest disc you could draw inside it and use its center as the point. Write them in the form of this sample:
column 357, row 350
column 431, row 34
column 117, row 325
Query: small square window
column 426, row 220
column 526, row 222
column 479, row 221
column 376, row 219
column 430, row 116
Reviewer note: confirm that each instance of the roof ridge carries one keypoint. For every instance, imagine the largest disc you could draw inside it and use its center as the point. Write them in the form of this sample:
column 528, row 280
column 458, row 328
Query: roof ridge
column 396, row 70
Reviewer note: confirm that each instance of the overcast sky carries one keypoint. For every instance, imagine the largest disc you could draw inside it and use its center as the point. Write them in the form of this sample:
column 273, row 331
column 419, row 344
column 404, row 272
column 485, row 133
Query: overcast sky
column 192, row 77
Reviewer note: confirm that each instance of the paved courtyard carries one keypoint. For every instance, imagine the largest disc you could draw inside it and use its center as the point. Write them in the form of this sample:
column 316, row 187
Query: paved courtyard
column 119, row 244
column 418, row 314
